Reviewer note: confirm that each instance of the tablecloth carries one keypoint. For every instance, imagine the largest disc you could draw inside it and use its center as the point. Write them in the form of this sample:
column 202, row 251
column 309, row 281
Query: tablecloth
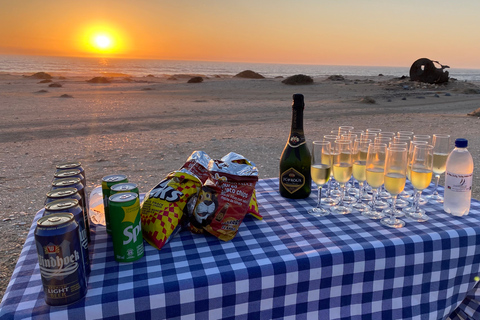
column 288, row 265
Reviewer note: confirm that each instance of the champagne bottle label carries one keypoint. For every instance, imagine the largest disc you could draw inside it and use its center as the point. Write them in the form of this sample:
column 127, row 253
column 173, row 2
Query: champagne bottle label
column 296, row 140
column 292, row 180
column 458, row 182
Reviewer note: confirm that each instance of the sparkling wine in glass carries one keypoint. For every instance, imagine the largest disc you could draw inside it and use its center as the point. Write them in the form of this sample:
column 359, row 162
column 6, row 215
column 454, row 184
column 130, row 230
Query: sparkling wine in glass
column 421, row 177
column 342, row 171
column 395, row 176
column 441, row 149
column 360, row 173
column 332, row 194
column 375, row 175
column 320, row 171
column 410, row 197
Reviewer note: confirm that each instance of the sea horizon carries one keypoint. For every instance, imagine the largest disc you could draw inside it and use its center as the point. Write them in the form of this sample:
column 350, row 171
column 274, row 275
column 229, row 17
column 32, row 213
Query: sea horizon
column 92, row 66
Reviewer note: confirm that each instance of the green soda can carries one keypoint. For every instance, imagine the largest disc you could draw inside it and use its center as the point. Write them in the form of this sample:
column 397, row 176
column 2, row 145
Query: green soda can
column 107, row 183
column 124, row 187
column 126, row 227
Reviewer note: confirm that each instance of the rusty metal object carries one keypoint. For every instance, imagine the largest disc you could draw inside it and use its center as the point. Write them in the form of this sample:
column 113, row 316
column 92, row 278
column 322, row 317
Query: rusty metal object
column 424, row 70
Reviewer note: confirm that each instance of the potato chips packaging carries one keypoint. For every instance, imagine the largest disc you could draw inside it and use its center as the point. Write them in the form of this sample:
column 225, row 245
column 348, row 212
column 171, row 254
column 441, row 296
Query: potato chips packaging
column 164, row 208
column 225, row 197
column 209, row 195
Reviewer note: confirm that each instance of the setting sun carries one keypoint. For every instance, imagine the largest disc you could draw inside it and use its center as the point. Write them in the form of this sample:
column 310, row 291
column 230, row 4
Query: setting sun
column 102, row 41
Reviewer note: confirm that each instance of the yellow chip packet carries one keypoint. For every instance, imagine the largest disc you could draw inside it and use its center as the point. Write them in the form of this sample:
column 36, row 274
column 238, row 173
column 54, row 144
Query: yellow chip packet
column 165, row 207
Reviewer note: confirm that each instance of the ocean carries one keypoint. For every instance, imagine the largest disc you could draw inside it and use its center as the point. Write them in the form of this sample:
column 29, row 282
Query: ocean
column 73, row 66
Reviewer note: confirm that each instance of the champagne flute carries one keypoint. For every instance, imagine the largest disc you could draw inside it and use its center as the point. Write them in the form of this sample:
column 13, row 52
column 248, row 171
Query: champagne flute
column 345, row 128
column 359, row 173
column 374, row 173
column 402, row 139
column 422, row 137
column 411, row 197
column 342, row 171
column 395, row 176
column 382, row 194
column 401, row 203
column 441, row 148
column 358, row 133
column 320, row 170
column 350, row 196
column 405, row 134
column 420, row 176
column 373, row 130
column 404, row 194
column 386, row 134
column 331, row 192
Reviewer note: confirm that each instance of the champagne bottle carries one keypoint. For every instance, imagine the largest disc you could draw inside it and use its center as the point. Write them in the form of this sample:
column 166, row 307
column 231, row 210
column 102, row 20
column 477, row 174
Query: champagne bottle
column 295, row 179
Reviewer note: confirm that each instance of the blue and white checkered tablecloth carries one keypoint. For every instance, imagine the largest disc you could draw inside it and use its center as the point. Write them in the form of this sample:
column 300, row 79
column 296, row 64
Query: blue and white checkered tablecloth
column 290, row 265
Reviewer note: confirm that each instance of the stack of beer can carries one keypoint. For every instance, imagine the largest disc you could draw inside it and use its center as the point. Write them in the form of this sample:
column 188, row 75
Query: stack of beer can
column 62, row 236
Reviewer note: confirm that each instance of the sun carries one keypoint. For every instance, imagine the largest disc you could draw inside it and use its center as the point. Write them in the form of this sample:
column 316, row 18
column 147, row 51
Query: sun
column 102, row 42
column 101, row 39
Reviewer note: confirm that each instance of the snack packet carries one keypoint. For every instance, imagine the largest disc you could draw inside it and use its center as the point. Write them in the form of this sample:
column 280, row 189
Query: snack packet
column 198, row 165
column 225, row 197
column 164, row 208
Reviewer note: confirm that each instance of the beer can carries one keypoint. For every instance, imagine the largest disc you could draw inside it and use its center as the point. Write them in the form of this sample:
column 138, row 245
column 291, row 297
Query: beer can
column 107, row 183
column 63, row 193
column 75, row 182
column 72, row 206
column 70, row 173
column 126, row 227
column 71, row 165
column 124, row 187
column 60, row 259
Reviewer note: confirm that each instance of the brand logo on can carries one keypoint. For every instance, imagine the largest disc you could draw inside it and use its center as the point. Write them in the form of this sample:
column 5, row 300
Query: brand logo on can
column 58, row 266
column 51, row 249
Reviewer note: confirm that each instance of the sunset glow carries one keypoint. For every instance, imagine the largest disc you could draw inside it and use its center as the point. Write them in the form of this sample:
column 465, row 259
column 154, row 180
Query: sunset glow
column 102, row 39
column 305, row 32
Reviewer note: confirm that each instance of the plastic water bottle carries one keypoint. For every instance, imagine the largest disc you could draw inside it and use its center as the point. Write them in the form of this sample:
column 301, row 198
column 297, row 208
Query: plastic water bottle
column 458, row 180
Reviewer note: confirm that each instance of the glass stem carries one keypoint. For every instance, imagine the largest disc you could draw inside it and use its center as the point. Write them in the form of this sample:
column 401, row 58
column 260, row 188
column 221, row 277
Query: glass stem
column 437, row 179
column 393, row 209
column 374, row 198
column 342, row 195
column 418, row 194
column 361, row 190
column 329, row 187
column 319, row 199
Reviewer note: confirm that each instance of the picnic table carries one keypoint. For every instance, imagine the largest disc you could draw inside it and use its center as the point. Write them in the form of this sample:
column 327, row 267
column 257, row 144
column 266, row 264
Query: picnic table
column 290, row 264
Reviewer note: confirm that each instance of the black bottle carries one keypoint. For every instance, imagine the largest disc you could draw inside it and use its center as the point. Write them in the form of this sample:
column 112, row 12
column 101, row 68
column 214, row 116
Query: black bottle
column 295, row 179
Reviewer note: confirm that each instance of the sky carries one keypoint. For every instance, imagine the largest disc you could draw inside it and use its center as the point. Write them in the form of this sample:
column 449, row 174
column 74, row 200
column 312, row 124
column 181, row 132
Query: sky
column 335, row 32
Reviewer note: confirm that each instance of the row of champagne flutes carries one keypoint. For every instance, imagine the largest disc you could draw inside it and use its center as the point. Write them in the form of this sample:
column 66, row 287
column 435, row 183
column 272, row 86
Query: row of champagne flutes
column 378, row 159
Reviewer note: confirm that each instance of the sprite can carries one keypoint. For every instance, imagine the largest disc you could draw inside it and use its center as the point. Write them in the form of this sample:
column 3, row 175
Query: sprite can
column 124, row 187
column 126, row 226
column 107, row 183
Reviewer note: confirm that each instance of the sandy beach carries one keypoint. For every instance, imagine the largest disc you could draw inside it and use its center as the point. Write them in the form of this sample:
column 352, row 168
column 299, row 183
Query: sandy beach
column 146, row 127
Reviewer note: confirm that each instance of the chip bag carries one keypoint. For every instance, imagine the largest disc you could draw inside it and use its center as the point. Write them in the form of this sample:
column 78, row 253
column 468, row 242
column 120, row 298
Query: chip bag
column 198, row 164
column 225, row 197
column 164, row 208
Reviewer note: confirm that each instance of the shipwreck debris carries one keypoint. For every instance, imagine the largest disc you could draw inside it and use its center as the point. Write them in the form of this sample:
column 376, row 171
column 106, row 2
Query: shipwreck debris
column 424, row 70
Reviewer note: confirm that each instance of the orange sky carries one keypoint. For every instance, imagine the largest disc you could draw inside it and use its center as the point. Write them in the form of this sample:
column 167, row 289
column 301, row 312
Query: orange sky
column 346, row 32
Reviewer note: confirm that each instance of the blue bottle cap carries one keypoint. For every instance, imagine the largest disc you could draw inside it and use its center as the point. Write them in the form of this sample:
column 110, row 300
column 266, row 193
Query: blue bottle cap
column 461, row 143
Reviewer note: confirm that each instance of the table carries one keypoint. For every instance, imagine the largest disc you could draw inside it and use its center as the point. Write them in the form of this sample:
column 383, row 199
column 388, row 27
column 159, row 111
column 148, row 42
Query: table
column 289, row 265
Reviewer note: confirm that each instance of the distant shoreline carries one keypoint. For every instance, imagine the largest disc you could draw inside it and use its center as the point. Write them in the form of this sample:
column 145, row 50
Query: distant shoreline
column 70, row 66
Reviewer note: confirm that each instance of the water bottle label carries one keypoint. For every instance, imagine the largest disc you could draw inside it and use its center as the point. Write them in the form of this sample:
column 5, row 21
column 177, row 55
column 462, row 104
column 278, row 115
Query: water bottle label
column 458, row 182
